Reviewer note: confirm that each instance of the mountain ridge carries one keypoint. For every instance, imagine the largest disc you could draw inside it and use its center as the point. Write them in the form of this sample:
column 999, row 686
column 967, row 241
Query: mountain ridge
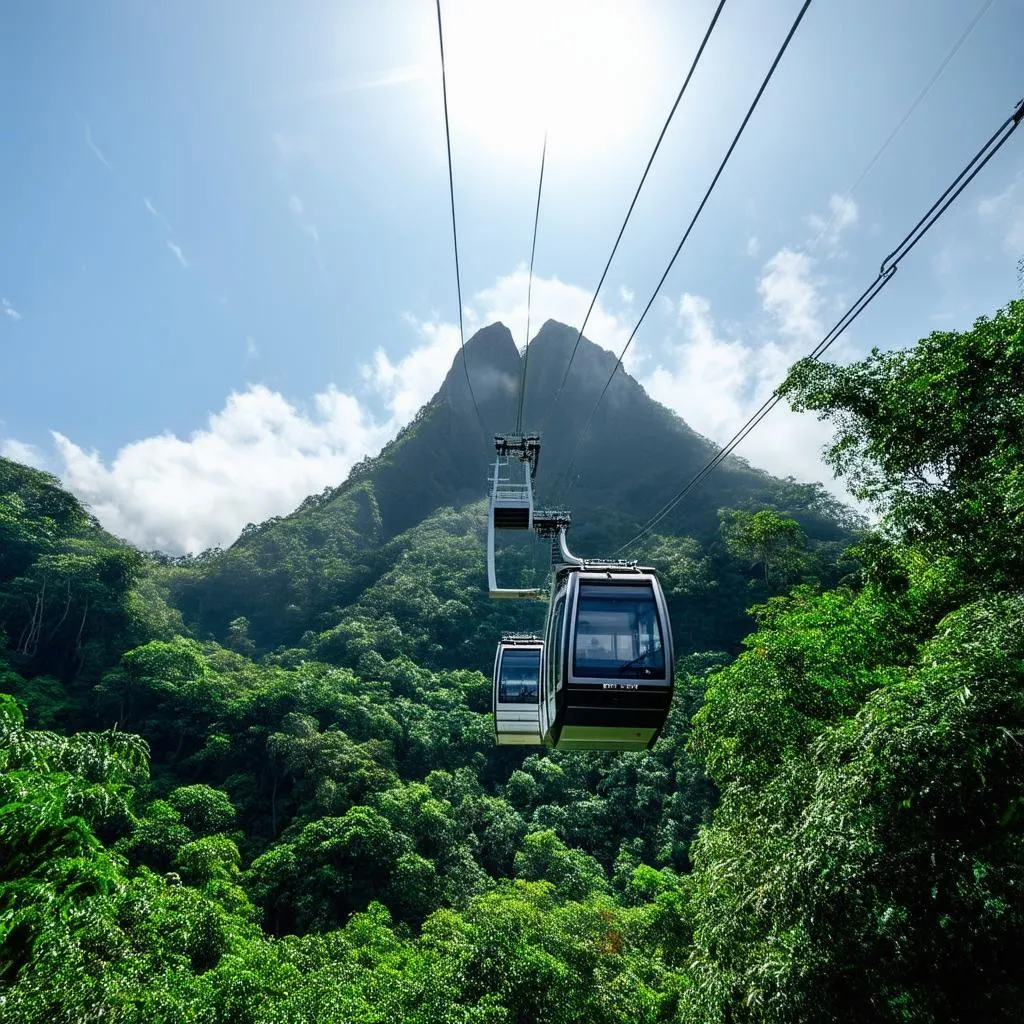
column 461, row 444
column 315, row 565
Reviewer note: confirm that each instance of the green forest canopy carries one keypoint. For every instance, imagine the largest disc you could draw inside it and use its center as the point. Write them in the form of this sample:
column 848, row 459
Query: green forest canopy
column 201, row 826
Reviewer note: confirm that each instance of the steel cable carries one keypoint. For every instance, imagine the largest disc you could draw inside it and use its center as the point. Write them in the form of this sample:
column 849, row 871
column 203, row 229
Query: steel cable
column 529, row 288
column 629, row 212
column 455, row 236
column 567, row 475
column 886, row 272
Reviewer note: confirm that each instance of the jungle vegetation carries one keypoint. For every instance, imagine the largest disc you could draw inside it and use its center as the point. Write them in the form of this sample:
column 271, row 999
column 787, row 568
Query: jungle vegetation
column 260, row 785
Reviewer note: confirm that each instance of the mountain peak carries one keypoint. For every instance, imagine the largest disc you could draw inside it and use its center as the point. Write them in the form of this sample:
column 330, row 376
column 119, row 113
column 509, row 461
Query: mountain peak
column 495, row 335
column 550, row 325
column 490, row 360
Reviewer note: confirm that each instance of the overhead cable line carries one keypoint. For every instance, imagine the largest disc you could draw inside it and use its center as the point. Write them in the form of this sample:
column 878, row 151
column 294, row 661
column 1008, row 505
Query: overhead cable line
column 529, row 288
column 455, row 236
column 679, row 248
column 901, row 124
column 886, row 272
column 636, row 196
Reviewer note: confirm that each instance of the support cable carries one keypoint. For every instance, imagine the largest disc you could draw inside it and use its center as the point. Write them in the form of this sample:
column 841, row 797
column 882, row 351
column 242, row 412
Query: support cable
column 529, row 288
column 886, row 272
column 901, row 124
column 629, row 212
column 707, row 195
column 455, row 236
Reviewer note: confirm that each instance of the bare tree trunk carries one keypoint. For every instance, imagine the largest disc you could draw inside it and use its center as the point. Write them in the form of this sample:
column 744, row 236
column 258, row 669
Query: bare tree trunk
column 67, row 606
column 81, row 626
column 29, row 642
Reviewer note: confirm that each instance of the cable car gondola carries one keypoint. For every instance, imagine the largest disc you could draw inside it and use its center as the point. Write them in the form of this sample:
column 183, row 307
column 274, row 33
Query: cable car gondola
column 516, row 694
column 608, row 664
column 511, row 503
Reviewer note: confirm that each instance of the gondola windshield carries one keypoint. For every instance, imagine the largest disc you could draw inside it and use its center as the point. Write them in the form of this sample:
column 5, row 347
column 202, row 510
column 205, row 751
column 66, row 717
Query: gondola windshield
column 618, row 633
column 520, row 676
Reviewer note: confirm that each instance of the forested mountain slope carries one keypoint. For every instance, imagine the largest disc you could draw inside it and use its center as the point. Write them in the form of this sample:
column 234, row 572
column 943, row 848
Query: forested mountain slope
column 830, row 829
column 298, row 574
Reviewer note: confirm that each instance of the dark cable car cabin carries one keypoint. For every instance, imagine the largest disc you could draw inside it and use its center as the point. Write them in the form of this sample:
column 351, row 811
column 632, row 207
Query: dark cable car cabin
column 608, row 668
column 516, row 698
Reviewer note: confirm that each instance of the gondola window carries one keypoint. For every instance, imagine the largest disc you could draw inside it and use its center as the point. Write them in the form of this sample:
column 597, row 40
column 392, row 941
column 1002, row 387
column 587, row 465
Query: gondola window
column 618, row 633
column 520, row 671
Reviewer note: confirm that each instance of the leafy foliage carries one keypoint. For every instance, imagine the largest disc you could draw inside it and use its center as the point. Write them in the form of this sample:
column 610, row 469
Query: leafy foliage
column 260, row 785
column 933, row 436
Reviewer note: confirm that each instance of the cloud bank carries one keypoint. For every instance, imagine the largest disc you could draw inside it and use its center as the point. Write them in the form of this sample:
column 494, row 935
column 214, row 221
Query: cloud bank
column 261, row 454
column 716, row 378
column 258, row 457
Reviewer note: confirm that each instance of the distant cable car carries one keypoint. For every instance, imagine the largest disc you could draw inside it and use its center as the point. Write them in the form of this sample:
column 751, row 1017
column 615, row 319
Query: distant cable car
column 516, row 696
column 608, row 664
column 511, row 503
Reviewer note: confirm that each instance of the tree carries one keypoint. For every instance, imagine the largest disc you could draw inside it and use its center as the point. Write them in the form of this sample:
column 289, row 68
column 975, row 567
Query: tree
column 203, row 810
column 238, row 636
column 765, row 538
column 864, row 861
column 933, row 437
column 872, row 873
column 574, row 874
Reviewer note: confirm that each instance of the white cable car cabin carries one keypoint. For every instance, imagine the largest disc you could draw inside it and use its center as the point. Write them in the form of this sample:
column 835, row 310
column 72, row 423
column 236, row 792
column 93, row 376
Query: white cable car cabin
column 511, row 503
column 517, row 671
column 608, row 667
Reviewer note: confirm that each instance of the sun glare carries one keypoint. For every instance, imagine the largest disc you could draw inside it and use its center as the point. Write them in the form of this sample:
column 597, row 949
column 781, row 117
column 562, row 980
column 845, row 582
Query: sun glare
column 574, row 68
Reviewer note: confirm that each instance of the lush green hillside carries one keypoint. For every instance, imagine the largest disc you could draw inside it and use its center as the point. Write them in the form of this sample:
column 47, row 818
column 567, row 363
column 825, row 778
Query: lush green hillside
column 330, row 561
column 261, row 785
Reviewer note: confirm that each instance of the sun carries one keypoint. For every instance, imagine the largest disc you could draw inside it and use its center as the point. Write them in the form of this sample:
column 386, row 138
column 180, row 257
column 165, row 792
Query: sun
column 575, row 68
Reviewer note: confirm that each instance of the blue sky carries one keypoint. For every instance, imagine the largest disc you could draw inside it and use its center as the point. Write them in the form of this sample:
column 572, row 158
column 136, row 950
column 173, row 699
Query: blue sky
column 226, row 267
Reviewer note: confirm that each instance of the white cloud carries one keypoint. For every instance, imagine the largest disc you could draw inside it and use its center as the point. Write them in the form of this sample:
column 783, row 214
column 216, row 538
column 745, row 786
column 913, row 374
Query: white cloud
column 627, row 295
column 258, row 457
column 716, row 383
column 18, row 451
column 842, row 214
column 505, row 300
column 156, row 213
column 1006, row 209
column 789, row 294
column 297, row 207
column 251, row 351
column 9, row 310
column 706, row 373
column 386, row 79
column 96, row 149
column 176, row 249
column 717, row 380
column 406, row 384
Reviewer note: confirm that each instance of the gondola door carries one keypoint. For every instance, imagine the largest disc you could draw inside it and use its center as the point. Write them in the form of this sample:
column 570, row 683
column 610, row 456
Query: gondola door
column 554, row 667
